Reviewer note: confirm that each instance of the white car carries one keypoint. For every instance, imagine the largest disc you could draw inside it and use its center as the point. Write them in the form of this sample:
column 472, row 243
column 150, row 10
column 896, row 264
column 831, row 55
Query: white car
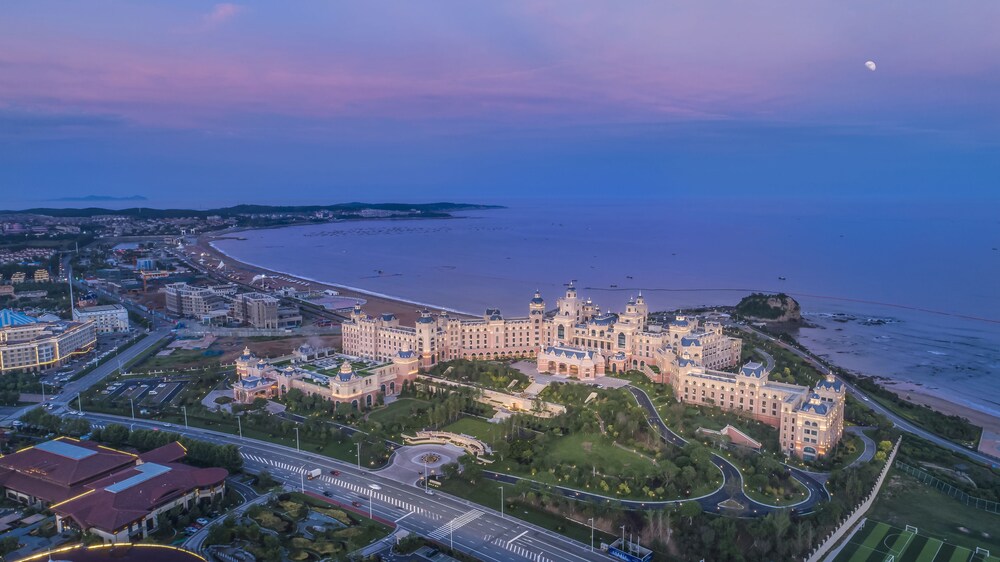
column 375, row 486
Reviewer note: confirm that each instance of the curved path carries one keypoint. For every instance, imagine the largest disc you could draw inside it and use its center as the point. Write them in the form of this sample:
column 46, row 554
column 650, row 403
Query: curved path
column 711, row 502
column 896, row 419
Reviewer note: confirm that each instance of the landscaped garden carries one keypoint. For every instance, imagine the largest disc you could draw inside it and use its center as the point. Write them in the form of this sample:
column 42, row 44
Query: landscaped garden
column 296, row 527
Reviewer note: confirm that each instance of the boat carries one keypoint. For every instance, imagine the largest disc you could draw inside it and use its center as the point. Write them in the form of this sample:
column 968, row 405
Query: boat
column 781, row 278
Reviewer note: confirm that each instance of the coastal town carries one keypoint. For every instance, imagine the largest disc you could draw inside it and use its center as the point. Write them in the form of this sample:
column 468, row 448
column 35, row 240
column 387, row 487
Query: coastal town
column 158, row 392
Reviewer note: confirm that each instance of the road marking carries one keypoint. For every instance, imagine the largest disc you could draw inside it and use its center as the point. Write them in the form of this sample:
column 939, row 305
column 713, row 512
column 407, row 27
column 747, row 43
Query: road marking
column 520, row 550
column 525, row 532
column 405, row 516
column 456, row 523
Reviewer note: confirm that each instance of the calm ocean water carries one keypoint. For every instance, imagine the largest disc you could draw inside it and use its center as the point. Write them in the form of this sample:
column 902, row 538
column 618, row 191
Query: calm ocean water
column 926, row 275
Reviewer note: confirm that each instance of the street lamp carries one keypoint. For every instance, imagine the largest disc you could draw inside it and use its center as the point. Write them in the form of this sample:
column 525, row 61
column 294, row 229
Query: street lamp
column 501, row 501
column 79, row 402
column 185, row 410
column 591, row 534
column 302, row 478
column 239, row 424
column 131, row 401
column 296, row 437
column 359, row 453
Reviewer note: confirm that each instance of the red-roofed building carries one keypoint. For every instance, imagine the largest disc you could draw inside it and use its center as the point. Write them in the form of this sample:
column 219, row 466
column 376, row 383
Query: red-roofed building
column 126, row 504
column 57, row 470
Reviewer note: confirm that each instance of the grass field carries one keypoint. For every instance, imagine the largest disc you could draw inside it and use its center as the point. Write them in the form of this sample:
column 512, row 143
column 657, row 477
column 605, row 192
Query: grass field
column 880, row 542
column 905, row 501
column 480, row 429
column 397, row 411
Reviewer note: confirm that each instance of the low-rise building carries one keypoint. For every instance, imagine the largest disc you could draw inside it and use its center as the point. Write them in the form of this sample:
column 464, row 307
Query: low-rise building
column 17, row 278
column 27, row 344
column 41, row 276
column 107, row 319
column 257, row 378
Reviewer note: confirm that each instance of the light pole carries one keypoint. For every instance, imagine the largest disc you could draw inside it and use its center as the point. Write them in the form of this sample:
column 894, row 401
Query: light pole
column 296, row 438
column 359, row 453
column 79, row 402
column 427, row 490
column 302, row 478
column 501, row 501
column 623, row 537
column 239, row 424
column 371, row 511
column 43, row 394
column 131, row 401
column 591, row 534
column 185, row 410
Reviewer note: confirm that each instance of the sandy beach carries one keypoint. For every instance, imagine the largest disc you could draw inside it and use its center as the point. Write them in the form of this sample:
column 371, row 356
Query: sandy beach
column 919, row 394
column 407, row 312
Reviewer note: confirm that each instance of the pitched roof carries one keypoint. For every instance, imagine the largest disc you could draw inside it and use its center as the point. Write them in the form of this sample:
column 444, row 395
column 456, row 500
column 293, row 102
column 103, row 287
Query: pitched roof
column 128, row 495
column 171, row 452
column 54, row 470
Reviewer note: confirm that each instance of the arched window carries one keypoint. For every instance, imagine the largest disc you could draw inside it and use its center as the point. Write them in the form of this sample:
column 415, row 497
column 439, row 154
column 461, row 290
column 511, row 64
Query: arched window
column 561, row 332
column 621, row 340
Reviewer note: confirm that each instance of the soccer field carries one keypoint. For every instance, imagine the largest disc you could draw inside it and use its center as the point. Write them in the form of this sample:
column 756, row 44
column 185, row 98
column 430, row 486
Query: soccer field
column 880, row 542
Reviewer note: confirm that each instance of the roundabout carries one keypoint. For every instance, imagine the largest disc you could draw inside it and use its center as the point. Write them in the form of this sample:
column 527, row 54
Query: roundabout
column 408, row 462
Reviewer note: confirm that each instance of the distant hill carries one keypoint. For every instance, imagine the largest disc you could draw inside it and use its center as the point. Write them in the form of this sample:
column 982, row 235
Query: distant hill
column 95, row 198
column 770, row 308
column 241, row 210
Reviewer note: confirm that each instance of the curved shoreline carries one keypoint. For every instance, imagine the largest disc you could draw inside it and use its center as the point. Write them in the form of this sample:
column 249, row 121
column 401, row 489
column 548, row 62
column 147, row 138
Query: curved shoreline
column 338, row 285
column 403, row 308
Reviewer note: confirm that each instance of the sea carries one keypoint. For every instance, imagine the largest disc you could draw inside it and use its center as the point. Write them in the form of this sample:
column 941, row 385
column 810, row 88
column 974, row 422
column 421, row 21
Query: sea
column 910, row 292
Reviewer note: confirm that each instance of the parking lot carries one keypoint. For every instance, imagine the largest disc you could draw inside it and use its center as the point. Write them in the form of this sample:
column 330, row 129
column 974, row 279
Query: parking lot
column 154, row 392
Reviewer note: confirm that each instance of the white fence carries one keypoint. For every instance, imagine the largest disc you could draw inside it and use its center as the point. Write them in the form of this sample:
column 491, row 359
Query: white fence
column 851, row 520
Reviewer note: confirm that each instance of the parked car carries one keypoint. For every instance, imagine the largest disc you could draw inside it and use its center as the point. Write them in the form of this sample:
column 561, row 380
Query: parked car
column 201, row 521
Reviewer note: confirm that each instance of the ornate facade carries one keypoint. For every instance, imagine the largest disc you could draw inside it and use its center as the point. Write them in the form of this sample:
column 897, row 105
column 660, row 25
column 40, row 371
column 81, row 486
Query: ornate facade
column 258, row 378
column 608, row 342
column 810, row 424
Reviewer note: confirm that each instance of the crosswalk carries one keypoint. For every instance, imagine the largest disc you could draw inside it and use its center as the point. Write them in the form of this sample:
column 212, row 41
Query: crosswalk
column 512, row 546
column 456, row 523
column 356, row 488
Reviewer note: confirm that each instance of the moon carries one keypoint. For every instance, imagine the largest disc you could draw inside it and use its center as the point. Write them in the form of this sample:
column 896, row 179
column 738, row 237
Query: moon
column 870, row 65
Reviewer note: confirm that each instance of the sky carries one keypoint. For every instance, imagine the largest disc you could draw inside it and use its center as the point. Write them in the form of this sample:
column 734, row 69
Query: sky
column 197, row 104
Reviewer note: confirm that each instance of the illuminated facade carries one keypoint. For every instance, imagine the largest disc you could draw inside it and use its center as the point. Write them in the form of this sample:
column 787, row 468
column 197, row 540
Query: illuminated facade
column 257, row 378
column 810, row 423
column 29, row 345
column 576, row 338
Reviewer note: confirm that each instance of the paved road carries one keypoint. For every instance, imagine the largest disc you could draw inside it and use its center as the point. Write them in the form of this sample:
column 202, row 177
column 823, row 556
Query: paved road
column 474, row 529
column 816, row 492
column 196, row 541
column 69, row 392
column 896, row 419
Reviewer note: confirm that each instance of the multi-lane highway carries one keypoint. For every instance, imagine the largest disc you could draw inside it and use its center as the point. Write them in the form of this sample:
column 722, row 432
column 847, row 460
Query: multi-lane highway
column 471, row 528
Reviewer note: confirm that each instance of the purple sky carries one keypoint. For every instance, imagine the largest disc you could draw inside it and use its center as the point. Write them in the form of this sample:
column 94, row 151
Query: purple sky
column 439, row 99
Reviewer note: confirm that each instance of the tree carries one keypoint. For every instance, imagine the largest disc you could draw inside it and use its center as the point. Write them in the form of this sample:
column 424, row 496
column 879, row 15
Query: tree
column 690, row 510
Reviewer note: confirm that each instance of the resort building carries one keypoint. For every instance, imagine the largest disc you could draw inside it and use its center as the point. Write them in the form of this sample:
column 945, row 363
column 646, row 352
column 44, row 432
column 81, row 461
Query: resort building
column 810, row 424
column 28, row 344
column 41, row 276
column 341, row 381
column 113, row 494
column 126, row 505
column 578, row 339
column 107, row 319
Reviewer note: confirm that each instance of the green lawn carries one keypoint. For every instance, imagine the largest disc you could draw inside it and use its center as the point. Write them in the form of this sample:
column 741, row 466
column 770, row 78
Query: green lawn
column 398, row 411
column 480, row 429
column 905, row 501
column 876, row 541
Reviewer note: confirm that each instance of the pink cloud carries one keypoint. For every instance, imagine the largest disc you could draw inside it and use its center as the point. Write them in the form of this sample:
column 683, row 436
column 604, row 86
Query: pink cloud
column 220, row 14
